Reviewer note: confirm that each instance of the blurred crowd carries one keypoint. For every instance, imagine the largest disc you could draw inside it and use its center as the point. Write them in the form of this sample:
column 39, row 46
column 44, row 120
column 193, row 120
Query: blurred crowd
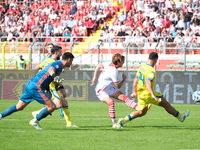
column 175, row 22
column 167, row 22
column 53, row 20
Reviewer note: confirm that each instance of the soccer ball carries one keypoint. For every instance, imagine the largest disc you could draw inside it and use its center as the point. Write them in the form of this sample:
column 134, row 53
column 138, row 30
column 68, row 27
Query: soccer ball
column 196, row 96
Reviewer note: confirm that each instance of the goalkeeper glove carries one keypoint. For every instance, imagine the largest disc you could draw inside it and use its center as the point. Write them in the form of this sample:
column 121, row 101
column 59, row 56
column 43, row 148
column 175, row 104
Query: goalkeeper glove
column 58, row 79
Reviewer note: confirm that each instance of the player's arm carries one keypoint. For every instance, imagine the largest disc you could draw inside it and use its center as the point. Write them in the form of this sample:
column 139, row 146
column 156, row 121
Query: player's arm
column 120, row 84
column 52, row 73
column 135, row 82
column 95, row 74
column 38, row 67
column 149, row 87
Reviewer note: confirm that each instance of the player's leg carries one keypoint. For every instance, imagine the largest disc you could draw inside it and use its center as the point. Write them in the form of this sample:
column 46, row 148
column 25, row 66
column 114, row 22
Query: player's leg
column 62, row 92
column 66, row 112
column 25, row 99
column 120, row 96
column 54, row 96
column 41, row 97
column 104, row 96
column 143, row 107
column 111, row 105
column 131, row 116
column 61, row 112
column 19, row 106
column 171, row 110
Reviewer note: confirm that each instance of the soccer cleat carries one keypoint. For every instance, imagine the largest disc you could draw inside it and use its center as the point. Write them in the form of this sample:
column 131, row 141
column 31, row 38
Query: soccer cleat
column 72, row 126
column 149, row 106
column 34, row 114
column 184, row 115
column 120, row 123
column 35, row 125
column 61, row 115
column 114, row 125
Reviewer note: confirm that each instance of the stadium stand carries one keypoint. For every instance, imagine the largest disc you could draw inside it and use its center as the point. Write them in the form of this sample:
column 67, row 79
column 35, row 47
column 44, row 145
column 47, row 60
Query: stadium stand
column 169, row 27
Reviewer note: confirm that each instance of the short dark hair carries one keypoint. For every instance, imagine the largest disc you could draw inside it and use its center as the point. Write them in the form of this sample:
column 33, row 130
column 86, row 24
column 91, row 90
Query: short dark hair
column 153, row 56
column 50, row 44
column 67, row 55
column 55, row 48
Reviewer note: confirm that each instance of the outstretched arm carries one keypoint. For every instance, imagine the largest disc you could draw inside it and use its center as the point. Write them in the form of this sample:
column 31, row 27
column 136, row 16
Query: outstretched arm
column 38, row 67
column 95, row 74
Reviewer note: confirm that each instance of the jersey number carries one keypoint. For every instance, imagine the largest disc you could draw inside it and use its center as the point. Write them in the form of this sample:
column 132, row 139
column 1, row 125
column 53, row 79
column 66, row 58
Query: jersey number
column 141, row 78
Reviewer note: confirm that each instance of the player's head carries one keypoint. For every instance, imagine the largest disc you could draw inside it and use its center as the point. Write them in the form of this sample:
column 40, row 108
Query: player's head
column 56, row 52
column 153, row 56
column 67, row 59
column 118, row 60
column 49, row 47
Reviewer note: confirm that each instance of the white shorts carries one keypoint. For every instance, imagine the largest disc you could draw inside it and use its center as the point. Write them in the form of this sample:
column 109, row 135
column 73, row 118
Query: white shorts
column 110, row 90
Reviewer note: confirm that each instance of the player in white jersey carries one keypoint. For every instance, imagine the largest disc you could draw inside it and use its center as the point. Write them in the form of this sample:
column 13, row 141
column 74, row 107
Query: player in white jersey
column 105, row 90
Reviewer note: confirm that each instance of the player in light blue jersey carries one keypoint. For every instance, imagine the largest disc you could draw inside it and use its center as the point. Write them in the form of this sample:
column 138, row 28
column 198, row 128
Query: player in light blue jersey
column 35, row 90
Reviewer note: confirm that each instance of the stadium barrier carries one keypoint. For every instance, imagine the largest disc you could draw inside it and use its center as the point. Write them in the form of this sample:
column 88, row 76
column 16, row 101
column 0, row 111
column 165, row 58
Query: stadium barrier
column 177, row 87
column 93, row 50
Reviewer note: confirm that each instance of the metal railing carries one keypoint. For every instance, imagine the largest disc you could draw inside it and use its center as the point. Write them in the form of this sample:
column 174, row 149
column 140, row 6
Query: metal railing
column 92, row 50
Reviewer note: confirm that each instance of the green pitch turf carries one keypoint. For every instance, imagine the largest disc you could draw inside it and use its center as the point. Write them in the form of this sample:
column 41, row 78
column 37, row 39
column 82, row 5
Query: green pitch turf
column 156, row 130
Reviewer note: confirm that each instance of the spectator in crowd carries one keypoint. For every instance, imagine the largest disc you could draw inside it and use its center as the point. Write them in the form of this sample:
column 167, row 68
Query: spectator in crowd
column 180, row 32
column 48, row 28
column 195, row 20
column 3, row 33
column 174, row 32
column 83, row 29
column 35, row 28
column 21, row 63
column 187, row 18
column 193, row 44
column 73, row 9
column 179, row 4
column 128, row 4
column 166, row 22
column 66, row 34
column 6, row 5
column 155, row 35
column 139, row 42
column 91, row 26
column 180, row 24
column 122, row 16
column 70, row 22
column 178, row 42
column 105, row 27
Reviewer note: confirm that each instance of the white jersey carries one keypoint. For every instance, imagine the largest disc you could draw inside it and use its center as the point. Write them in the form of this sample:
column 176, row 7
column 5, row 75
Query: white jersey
column 107, row 76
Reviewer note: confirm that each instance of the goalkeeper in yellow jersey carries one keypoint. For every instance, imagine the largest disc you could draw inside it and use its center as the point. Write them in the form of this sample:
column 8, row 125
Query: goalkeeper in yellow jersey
column 57, row 90
column 144, row 87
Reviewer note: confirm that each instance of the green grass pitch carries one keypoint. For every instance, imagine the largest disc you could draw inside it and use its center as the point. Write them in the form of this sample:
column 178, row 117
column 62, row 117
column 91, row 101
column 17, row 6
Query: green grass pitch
column 156, row 130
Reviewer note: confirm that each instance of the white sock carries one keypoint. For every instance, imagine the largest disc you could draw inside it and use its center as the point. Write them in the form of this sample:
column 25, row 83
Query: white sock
column 35, row 120
column 0, row 116
column 114, row 121
column 137, row 108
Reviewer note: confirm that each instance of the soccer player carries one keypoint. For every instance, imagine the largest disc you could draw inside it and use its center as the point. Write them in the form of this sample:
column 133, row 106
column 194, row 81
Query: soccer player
column 38, row 67
column 144, row 87
column 49, row 47
column 57, row 91
column 105, row 90
column 35, row 90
